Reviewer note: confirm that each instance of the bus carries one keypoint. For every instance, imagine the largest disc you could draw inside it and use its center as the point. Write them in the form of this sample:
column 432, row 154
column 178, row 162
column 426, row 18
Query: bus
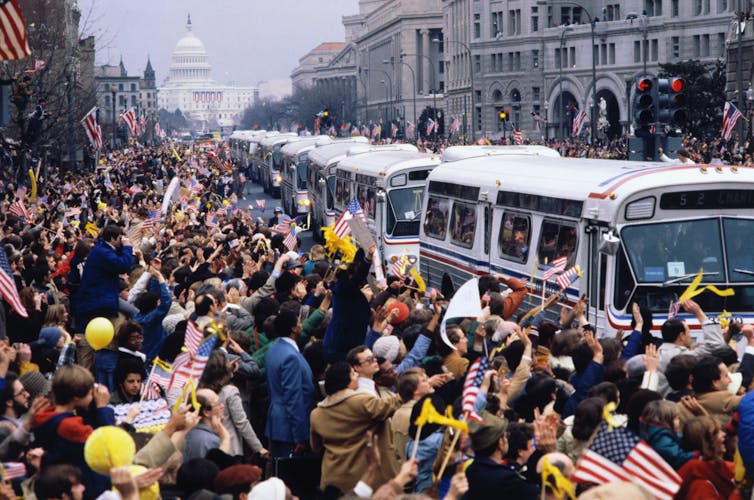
column 239, row 143
column 272, row 161
column 255, row 154
column 293, row 193
column 322, row 164
column 389, row 186
column 639, row 231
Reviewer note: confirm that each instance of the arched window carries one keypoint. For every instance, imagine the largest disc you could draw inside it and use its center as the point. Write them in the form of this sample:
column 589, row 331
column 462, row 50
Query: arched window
column 497, row 96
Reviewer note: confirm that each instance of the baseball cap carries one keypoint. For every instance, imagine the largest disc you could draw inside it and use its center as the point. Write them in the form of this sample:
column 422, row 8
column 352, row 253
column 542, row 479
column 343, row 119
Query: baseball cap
column 486, row 434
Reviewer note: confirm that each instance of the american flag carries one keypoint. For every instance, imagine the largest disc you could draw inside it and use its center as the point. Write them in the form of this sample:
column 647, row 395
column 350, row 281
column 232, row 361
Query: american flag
column 556, row 266
column 455, row 124
column 431, row 124
column 194, row 337
column 568, row 277
column 261, row 204
column 290, row 240
column 13, row 470
column 210, row 221
column 673, row 311
column 474, row 378
column 130, row 118
column 143, row 121
column 18, row 209
column 731, row 114
column 578, row 122
column 187, row 367
column 341, row 228
column 620, row 455
column 159, row 378
column 398, row 269
column 8, row 286
column 153, row 218
column 518, row 137
column 410, row 129
column 282, row 227
column 14, row 43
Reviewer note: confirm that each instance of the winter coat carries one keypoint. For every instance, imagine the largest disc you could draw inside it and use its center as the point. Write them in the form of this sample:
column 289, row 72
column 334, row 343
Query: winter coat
column 338, row 426
column 490, row 479
column 236, row 422
column 707, row 480
column 668, row 444
column 99, row 290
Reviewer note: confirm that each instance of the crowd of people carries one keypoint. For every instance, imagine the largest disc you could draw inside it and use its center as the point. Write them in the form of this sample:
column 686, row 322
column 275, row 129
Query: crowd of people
column 318, row 380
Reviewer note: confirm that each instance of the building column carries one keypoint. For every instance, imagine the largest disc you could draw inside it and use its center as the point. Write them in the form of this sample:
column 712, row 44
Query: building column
column 425, row 61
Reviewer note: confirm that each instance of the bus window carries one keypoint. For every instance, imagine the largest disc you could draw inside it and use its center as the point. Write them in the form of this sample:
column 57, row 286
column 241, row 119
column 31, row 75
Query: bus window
column 404, row 209
column 558, row 239
column 436, row 221
column 463, row 224
column 738, row 232
column 367, row 199
column 514, row 237
column 343, row 192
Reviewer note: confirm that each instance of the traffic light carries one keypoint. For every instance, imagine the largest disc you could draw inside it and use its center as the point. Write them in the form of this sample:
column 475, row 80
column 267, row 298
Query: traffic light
column 645, row 101
column 502, row 115
column 671, row 101
column 507, row 115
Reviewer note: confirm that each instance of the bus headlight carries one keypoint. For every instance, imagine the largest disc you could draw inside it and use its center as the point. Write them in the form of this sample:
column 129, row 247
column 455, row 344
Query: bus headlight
column 278, row 179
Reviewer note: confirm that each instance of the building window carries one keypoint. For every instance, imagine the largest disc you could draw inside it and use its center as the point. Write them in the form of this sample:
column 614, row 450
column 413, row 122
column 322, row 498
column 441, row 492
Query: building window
column 496, row 25
column 603, row 54
column 655, row 49
column 535, row 94
column 612, row 12
column 637, row 51
column 493, row 63
column 673, row 8
column 611, row 54
column 705, row 45
column 550, row 19
column 675, row 46
column 477, row 26
column 510, row 61
column 696, row 46
column 721, row 43
column 722, row 6
column 572, row 56
column 477, row 63
column 534, row 19
column 653, row 7
column 514, row 22
column 535, row 59
column 558, row 58
column 517, row 61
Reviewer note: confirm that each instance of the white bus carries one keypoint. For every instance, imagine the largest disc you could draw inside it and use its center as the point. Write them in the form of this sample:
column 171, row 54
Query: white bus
column 272, row 161
column 255, row 153
column 293, row 193
column 240, row 143
column 321, row 180
column 639, row 231
column 389, row 186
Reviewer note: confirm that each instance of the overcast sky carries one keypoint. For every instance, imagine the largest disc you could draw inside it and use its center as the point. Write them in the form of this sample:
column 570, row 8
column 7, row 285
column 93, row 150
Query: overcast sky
column 247, row 40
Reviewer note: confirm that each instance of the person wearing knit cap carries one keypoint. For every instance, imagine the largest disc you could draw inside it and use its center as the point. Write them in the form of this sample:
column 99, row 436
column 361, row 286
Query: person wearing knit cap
column 36, row 384
column 387, row 347
column 237, row 480
column 46, row 349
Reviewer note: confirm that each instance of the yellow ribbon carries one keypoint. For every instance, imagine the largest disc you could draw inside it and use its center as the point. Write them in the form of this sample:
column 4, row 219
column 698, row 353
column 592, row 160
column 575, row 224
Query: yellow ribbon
column 693, row 289
column 176, row 155
column 429, row 415
column 190, row 387
column 92, row 229
column 724, row 319
column 163, row 364
column 607, row 416
column 420, row 284
column 333, row 245
column 553, row 478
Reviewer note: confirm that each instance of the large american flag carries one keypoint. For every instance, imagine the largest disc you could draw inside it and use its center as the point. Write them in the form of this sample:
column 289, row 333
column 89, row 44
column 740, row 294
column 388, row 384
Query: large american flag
column 568, row 277
column 341, row 228
column 518, row 137
column 159, row 378
column 578, row 122
column 731, row 114
column 8, row 286
column 474, row 378
column 620, row 455
column 556, row 266
column 153, row 218
column 92, row 127
column 14, row 43
column 187, row 367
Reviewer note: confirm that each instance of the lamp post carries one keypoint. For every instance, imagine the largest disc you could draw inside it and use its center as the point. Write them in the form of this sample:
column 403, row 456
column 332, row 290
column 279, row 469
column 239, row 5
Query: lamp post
column 749, row 108
column 113, row 91
column 471, row 82
column 433, row 90
column 390, row 89
column 413, row 87
column 560, row 83
column 592, row 23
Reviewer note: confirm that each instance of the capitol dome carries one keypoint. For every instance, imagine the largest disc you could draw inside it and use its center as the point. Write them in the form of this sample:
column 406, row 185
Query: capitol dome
column 189, row 62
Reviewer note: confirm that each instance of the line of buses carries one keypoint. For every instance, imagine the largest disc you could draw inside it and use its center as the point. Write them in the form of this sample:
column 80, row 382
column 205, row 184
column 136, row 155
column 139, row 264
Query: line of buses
column 639, row 231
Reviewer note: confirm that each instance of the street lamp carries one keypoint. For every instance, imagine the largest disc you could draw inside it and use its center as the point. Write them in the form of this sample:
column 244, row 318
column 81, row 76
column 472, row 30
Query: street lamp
column 644, row 25
column 390, row 89
column 750, row 106
column 113, row 91
column 561, row 111
column 592, row 23
column 413, row 94
column 471, row 82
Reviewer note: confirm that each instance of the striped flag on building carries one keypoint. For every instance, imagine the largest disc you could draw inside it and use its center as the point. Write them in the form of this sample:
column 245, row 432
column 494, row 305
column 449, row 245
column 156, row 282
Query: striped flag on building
column 731, row 115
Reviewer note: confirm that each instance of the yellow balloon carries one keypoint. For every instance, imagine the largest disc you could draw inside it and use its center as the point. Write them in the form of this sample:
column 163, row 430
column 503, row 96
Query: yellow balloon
column 101, row 206
column 109, row 447
column 99, row 333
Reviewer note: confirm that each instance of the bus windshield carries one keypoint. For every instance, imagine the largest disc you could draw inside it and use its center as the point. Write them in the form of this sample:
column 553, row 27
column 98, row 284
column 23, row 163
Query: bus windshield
column 302, row 168
column 404, row 211
column 665, row 257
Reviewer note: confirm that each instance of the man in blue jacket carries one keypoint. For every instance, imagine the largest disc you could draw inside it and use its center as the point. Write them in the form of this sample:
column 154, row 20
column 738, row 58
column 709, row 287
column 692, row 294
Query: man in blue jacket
column 99, row 291
column 289, row 382
column 153, row 308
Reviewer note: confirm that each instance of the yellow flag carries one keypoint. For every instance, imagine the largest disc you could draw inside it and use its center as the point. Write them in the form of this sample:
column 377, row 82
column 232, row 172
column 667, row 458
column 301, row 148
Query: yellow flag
column 163, row 364
column 33, row 179
column 553, row 478
column 176, row 155
column 92, row 229
column 418, row 279
column 429, row 415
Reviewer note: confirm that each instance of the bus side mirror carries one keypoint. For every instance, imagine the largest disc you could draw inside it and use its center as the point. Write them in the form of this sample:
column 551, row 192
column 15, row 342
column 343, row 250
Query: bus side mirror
column 321, row 183
column 610, row 244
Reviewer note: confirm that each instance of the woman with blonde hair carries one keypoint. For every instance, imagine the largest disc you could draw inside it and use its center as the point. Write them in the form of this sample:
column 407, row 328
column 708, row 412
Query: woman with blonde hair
column 708, row 477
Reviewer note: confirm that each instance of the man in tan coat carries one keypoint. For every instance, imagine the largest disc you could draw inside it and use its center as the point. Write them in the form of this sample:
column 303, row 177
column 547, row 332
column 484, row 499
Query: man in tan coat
column 339, row 425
